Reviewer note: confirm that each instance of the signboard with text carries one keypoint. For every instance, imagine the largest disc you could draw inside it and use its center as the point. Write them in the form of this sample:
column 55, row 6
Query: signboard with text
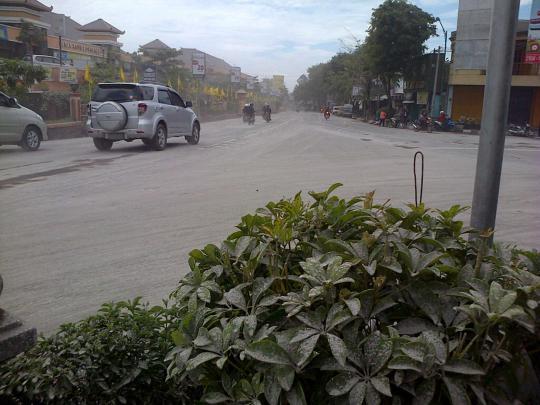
column 198, row 64
column 236, row 73
column 533, row 42
column 68, row 75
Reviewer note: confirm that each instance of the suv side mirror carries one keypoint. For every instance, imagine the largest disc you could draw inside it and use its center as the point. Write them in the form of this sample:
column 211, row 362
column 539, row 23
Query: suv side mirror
column 189, row 104
column 13, row 102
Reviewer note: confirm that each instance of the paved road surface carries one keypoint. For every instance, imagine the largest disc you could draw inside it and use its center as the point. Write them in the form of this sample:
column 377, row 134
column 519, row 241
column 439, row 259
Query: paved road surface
column 80, row 227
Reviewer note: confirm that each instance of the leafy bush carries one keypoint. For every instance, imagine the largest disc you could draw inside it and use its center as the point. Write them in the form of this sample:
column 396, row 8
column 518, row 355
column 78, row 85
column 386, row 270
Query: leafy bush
column 115, row 356
column 348, row 301
column 338, row 301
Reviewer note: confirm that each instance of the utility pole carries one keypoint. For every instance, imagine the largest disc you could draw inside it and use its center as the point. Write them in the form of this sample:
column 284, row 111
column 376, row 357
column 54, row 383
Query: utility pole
column 495, row 114
column 445, row 70
column 433, row 97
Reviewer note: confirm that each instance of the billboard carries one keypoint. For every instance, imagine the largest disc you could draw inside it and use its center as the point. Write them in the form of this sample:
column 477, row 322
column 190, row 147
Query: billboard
column 235, row 74
column 533, row 41
column 251, row 83
column 68, row 75
column 198, row 64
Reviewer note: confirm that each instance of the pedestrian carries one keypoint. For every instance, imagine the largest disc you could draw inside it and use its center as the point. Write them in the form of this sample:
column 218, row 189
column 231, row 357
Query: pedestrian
column 382, row 118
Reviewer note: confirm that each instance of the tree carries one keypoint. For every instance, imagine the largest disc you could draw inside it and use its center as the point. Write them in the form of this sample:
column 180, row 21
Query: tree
column 396, row 40
column 31, row 36
column 17, row 76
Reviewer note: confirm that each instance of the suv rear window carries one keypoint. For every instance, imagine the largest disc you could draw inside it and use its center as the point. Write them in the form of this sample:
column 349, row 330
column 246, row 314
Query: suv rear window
column 147, row 92
column 117, row 92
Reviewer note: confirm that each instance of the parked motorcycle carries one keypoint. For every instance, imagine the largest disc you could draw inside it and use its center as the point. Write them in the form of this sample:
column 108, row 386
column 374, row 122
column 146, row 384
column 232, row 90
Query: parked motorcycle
column 447, row 126
column 423, row 124
column 519, row 130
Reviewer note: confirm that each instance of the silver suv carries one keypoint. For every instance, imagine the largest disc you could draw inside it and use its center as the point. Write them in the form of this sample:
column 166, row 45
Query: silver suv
column 149, row 112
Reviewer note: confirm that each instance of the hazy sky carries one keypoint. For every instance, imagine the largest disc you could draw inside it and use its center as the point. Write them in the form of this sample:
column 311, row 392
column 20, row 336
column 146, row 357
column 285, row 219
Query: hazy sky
column 264, row 37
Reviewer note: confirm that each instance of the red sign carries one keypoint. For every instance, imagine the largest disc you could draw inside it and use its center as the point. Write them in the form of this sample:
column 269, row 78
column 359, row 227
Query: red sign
column 532, row 54
column 532, row 58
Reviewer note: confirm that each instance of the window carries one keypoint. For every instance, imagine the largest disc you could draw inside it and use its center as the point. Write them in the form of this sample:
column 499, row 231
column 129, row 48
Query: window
column 176, row 99
column 117, row 92
column 163, row 97
column 147, row 92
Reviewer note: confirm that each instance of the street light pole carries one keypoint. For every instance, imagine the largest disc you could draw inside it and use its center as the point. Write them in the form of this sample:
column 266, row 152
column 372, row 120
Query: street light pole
column 444, row 59
column 435, row 81
column 495, row 114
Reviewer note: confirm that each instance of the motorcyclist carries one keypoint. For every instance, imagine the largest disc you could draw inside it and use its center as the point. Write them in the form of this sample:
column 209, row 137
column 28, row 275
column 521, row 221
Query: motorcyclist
column 245, row 112
column 442, row 119
column 267, row 110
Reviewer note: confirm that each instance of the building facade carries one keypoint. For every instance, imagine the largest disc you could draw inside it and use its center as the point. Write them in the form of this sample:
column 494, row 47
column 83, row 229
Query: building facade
column 469, row 66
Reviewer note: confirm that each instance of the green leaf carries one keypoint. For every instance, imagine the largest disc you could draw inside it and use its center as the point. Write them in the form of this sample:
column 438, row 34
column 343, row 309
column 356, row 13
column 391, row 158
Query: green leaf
column 336, row 315
column 336, row 269
column 354, row 305
column 204, row 294
column 241, row 245
column 303, row 334
column 378, row 350
column 305, row 349
column 425, row 392
column 372, row 395
column 296, row 395
column 435, row 340
column 338, row 348
column 268, row 351
column 250, row 325
column 341, row 384
column 382, row 384
column 415, row 350
column 179, row 338
column 462, row 366
column 371, row 268
column 404, row 363
column 272, row 389
column 457, row 391
column 236, row 298
column 215, row 398
column 358, row 393
column 201, row 359
column 413, row 326
column 285, row 376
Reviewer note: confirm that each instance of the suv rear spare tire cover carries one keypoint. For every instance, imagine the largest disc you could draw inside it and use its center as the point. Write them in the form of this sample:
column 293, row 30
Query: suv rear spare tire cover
column 111, row 116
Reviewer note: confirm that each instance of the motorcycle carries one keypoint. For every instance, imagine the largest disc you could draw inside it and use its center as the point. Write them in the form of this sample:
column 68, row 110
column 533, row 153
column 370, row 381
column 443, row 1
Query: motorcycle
column 326, row 115
column 447, row 126
column 423, row 124
column 266, row 116
column 518, row 130
column 251, row 119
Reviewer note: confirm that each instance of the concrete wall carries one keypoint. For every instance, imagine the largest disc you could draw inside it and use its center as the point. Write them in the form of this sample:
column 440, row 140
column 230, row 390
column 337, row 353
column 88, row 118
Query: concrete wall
column 472, row 40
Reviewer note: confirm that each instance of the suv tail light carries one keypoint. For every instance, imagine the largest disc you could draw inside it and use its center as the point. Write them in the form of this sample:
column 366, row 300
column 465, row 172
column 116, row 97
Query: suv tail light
column 141, row 108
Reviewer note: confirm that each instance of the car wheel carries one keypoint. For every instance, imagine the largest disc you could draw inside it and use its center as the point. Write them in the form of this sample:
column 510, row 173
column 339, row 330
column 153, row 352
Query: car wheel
column 31, row 139
column 103, row 144
column 195, row 135
column 159, row 141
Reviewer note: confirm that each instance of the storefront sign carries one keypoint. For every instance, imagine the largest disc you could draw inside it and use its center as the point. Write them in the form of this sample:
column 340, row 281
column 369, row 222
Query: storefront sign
column 68, row 75
column 150, row 75
column 198, row 64
column 357, row 90
column 235, row 74
column 86, row 49
column 422, row 97
column 533, row 42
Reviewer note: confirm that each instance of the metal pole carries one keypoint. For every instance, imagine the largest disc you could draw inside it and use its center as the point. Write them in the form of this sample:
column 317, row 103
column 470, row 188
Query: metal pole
column 435, row 81
column 495, row 114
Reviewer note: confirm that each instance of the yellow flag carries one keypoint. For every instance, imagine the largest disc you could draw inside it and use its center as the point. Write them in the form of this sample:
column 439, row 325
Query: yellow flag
column 135, row 76
column 179, row 83
column 122, row 74
column 169, row 83
column 87, row 76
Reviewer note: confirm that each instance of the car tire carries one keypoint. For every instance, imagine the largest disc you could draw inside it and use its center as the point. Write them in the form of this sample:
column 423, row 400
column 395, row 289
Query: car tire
column 103, row 144
column 195, row 135
column 31, row 139
column 159, row 141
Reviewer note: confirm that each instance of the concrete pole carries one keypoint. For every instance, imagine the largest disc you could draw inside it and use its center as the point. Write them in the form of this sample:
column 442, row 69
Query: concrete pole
column 495, row 114
column 433, row 97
